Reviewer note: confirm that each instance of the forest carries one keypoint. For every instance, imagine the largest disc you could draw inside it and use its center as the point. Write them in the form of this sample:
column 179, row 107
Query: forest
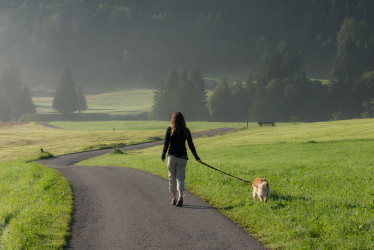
column 271, row 49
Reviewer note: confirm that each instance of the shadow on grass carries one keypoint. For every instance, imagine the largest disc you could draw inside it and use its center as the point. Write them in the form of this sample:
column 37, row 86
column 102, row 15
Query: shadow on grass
column 282, row 200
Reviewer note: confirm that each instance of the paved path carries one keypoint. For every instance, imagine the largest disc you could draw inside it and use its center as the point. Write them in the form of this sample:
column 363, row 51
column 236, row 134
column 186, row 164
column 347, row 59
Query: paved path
column 121, row 208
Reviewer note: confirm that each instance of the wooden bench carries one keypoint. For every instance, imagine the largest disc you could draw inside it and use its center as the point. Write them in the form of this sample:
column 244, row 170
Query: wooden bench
column 266, row 124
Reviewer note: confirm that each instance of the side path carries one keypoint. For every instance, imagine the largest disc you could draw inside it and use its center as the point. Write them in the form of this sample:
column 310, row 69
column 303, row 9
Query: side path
column 121, row 208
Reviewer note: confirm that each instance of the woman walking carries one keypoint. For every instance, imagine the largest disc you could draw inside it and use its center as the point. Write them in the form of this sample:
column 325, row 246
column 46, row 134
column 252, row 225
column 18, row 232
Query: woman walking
column 175, row 141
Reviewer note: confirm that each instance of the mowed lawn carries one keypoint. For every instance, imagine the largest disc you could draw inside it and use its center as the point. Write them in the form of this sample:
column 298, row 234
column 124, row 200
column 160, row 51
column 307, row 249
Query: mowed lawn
column 321, row 178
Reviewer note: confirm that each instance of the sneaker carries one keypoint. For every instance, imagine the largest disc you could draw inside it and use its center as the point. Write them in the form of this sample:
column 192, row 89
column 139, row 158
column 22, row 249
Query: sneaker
column 180, row 202
column 173, row 201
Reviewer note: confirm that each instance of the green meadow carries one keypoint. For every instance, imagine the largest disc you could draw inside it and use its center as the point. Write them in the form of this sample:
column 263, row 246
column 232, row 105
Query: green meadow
column 35, row 207
column 321, row 178
column 320, row 174
column 35, row 201
column 120, row 102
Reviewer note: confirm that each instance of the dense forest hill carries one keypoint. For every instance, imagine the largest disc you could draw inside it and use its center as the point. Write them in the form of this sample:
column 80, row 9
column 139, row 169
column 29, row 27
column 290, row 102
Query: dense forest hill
column 117, row 41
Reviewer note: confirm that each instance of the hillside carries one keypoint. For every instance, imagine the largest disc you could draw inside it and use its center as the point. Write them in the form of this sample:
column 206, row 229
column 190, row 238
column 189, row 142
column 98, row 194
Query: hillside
column 134, row 42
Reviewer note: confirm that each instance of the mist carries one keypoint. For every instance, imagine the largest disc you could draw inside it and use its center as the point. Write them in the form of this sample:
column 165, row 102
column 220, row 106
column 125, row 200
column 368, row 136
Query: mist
column 136, row 42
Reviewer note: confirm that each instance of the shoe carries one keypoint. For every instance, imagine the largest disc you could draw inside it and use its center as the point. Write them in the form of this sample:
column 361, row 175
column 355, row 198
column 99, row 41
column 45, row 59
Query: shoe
column 173, row 201
column 180, row 202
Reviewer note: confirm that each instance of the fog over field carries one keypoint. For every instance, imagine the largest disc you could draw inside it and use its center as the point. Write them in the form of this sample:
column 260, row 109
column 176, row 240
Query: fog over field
column 277, row 45
column 125, row 42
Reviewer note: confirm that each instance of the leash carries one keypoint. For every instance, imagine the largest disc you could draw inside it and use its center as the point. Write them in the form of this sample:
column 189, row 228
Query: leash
column 224, row 172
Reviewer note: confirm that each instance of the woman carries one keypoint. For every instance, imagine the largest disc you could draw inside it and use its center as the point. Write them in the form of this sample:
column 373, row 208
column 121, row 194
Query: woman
column 175, row 142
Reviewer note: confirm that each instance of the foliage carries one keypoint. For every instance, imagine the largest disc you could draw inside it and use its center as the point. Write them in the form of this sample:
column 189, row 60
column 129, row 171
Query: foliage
column 81, row 100
column 353, row 68
column 338, row 116
column 181, row 93
column 279, row 92
column 116, row 150
column 218, row 35
column 35, row 207
column 368, row 108
column 5, row 114
column 15, row 98
column 67, row 99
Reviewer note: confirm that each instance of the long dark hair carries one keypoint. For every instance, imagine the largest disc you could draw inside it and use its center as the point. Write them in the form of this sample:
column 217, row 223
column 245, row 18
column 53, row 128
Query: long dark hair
column 178, row 124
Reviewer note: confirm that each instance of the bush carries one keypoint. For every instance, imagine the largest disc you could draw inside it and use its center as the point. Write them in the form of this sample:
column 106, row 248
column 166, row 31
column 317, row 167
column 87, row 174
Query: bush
column 338, row 116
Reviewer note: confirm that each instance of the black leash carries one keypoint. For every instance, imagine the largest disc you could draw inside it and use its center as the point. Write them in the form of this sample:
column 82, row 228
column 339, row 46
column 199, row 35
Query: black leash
column 224, row 172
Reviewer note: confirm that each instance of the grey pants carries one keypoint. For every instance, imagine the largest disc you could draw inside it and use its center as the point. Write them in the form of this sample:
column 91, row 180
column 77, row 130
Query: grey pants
column 177, row 173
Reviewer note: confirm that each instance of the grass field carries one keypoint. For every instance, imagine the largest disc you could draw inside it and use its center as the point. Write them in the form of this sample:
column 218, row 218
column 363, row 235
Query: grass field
column 144, row 125
column 36, row 202
column 35, row 207
column 121, row 102
column 320, row 174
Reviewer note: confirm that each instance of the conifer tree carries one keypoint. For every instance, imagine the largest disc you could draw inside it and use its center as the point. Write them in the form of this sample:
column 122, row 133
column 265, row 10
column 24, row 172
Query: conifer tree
column 15, row 97
column 199, row 98
column 81, row 100
column 65, row 100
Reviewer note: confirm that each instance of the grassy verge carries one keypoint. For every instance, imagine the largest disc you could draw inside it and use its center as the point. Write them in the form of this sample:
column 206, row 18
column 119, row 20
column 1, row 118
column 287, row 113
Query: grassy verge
column 320, row 174
column 35, row 207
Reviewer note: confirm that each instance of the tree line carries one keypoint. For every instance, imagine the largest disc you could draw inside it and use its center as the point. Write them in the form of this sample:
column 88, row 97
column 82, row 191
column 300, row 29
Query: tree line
column 281, row 91
column 16, row 103
column 131, row 36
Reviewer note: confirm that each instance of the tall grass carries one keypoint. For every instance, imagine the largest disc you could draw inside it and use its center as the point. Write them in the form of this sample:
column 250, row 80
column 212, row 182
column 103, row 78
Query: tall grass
column 320, row 174
column 35, row 207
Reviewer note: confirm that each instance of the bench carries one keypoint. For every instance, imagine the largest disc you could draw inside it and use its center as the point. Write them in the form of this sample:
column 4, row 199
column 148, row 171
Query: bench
column 266, row 124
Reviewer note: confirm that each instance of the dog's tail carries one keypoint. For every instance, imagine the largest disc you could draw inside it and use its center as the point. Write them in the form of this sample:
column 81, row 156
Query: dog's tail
column 265, row 186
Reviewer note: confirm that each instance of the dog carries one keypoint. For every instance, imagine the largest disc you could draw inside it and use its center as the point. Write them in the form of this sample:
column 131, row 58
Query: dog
column 261, row 189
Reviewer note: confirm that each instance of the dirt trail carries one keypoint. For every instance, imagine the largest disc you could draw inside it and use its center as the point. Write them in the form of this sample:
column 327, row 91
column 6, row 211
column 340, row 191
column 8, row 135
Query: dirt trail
column 121, row 208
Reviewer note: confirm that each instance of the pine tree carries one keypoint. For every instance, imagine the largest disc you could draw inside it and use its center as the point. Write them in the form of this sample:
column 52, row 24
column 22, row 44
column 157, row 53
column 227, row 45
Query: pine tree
column 24, row 103
column 81, row 100
column 199, row 98
column 15, row 97
column 65, row 100
column 219, row 102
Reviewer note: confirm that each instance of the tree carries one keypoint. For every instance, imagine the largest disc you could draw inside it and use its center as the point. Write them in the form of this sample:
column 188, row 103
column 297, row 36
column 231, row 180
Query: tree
column 81, row 100
column 182, row 92
column 219, row 102
column 16, row 97
column 24, row 103
column 183, row 100
column 355, row 50
column 4, row 109
column 65, row 100
column 199, row 98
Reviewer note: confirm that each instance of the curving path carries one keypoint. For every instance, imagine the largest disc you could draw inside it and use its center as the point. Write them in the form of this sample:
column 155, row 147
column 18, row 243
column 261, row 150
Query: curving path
column 121, row 208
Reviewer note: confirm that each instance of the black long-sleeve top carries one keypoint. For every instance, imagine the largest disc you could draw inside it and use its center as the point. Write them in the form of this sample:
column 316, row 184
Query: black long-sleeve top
column 176, row 144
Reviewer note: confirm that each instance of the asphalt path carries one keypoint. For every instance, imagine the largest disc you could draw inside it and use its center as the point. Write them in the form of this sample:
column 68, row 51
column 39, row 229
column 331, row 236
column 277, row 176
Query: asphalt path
column 122, row 208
